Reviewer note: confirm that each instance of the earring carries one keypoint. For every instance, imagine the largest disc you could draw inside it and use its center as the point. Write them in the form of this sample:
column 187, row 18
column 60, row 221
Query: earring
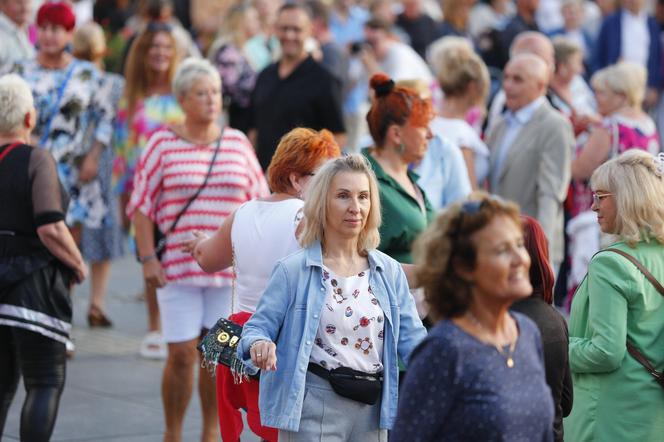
column 401, row 148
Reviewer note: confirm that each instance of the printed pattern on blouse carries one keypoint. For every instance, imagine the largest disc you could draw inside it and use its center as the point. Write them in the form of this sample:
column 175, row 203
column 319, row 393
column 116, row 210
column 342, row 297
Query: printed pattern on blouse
column 170, row 171
column 129, row 137
column 350, row 333
column 83, row 115
column 625, row 134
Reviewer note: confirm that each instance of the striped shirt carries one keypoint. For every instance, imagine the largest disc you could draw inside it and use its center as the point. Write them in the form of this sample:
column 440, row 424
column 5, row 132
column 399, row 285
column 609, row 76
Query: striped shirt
column 170, row 171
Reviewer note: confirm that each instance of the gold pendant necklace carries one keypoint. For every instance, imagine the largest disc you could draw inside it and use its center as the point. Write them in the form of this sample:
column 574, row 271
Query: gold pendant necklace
column 509, row 357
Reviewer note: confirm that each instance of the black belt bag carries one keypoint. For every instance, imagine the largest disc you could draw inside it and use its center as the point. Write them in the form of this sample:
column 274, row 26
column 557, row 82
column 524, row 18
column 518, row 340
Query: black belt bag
column 352, row 384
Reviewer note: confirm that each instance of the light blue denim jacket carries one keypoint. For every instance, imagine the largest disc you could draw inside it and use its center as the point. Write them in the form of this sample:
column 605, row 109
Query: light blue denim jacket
column 289, row 314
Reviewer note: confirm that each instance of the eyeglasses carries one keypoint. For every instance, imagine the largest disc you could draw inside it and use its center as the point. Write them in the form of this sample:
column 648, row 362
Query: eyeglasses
column 597, row 197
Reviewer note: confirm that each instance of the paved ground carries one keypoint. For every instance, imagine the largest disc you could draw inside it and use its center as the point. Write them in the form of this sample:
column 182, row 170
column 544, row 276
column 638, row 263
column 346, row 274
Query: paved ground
column 111, row 393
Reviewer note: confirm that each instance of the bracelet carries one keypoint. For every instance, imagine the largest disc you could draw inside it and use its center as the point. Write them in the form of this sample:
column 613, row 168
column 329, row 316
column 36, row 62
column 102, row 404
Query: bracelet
column 144, row 259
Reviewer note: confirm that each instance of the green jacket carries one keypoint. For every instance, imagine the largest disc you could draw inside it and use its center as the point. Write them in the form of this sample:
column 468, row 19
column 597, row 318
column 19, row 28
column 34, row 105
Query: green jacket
column 615, row 399
column 403, row 219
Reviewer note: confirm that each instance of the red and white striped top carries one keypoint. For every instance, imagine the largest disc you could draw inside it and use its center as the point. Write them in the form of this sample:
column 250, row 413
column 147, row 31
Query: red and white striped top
column 171, row 170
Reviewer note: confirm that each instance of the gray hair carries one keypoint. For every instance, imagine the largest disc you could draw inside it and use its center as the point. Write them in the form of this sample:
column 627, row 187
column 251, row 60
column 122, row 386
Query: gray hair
column 15, row 101
column 189, row 70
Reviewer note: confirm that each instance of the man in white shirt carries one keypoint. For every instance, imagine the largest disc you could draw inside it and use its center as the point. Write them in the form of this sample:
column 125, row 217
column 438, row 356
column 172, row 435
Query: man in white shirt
column 531, row 150
column 14, row 18
column 396, row 59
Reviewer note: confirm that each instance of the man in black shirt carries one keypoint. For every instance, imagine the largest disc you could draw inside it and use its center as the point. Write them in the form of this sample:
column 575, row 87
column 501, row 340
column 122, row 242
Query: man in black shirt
column 421, row 28
column 294, row 92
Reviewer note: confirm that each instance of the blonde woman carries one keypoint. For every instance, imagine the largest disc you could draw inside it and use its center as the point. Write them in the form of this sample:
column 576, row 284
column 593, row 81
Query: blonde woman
column 619, row 90
column 102, row 244
column 464, row 79
column 230, row 54
column 336, row 308
column 615, row 398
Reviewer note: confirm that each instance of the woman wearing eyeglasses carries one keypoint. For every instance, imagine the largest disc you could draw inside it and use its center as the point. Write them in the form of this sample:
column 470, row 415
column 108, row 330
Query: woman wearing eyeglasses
column 615, row 397
column 619, row 90
column 479, row 374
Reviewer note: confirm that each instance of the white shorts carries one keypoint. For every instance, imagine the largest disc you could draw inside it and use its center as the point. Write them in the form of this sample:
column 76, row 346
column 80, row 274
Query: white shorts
column 185, row 310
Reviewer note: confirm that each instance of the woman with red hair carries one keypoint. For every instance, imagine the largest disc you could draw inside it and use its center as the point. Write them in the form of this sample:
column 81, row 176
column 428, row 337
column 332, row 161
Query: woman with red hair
column 551, row 324
column 75, row 108
column 399, row 125
column 267, row 225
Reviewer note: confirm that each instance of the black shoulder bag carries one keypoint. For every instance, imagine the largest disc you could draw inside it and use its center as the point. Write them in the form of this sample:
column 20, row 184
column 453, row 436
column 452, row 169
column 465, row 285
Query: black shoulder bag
column 159, row 236
column 631, row 348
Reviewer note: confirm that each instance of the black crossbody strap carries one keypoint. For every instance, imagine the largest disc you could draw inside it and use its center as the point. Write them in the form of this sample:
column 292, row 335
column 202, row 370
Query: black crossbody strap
column 200, row 189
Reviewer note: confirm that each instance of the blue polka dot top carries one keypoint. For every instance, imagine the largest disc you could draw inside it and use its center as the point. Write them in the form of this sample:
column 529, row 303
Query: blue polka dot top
column 458, row 388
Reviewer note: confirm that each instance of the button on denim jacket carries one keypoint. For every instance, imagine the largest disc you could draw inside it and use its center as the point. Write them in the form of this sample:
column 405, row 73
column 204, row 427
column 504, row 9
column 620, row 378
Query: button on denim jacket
column 289, row 315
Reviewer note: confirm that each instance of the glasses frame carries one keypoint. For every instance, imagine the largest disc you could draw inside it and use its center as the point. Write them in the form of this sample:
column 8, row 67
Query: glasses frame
column 599, row 196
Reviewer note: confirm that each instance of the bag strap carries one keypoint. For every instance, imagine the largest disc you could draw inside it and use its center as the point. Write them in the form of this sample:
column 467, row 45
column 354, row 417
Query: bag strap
column 641, row 268
column 631, row 348
column 8, row 149
column 56, row 103
column 641, row 359
column 200, row 189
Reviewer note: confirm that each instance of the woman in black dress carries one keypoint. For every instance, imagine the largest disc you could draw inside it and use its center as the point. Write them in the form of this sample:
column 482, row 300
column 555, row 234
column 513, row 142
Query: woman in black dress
column 38, row 263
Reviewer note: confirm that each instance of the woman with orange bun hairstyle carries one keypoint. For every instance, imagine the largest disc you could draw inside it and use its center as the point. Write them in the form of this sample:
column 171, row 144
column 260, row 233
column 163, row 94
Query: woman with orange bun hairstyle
column 550, row 323
column 269, row 225
column 399, row 125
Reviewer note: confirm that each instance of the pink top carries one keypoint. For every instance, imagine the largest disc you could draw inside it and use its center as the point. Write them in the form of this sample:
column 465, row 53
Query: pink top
column 171, row 170
column 625, row 134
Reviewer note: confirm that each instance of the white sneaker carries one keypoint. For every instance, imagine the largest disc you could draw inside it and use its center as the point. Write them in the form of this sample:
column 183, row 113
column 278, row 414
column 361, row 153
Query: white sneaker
column 153, row 346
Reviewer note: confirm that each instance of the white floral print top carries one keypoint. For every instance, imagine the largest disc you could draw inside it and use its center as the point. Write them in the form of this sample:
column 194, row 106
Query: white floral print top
column 350, row 333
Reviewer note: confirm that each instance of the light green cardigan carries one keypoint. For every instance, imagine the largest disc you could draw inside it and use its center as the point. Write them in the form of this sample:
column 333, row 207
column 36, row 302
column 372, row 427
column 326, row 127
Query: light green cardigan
column 615, row 399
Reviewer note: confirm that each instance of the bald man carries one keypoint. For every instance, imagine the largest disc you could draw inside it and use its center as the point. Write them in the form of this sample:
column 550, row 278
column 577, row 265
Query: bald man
column 530, row 42
column 531, row 149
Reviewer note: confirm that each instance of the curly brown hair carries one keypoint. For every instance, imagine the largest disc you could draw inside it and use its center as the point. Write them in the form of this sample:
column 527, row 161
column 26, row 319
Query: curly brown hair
column 447, row 246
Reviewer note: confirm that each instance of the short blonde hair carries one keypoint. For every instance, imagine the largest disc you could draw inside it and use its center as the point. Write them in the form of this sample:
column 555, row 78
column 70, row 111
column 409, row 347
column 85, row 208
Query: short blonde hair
column 15, row 101
column 626, row 78
column 564, row 48
column 89, row 42
column 315, row 206
column 638, row 189
column 457, row 66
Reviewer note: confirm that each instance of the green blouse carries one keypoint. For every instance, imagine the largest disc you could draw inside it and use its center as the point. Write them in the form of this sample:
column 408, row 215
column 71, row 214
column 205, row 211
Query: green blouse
column 615, row 399
column 403, row 218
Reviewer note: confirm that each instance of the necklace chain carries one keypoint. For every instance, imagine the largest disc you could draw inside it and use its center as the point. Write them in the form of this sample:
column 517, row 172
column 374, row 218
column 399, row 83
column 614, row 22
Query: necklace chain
column 509, row 356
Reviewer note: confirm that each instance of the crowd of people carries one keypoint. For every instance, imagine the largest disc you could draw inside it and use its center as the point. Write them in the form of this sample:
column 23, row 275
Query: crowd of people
column 403, row 203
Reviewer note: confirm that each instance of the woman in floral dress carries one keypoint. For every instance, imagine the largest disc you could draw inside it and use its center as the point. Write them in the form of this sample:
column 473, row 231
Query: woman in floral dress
column 74, row 117
column 100, row 245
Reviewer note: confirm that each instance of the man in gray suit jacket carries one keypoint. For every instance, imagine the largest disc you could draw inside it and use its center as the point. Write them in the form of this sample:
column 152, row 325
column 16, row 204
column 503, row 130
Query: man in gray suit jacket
column 531, row 150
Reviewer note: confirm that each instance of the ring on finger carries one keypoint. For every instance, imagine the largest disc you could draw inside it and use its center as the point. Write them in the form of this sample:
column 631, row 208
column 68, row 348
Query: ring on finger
column 258, row 355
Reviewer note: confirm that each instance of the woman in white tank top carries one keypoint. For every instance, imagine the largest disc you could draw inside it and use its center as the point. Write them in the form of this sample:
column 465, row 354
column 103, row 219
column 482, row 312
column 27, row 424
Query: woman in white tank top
column 252, row 240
